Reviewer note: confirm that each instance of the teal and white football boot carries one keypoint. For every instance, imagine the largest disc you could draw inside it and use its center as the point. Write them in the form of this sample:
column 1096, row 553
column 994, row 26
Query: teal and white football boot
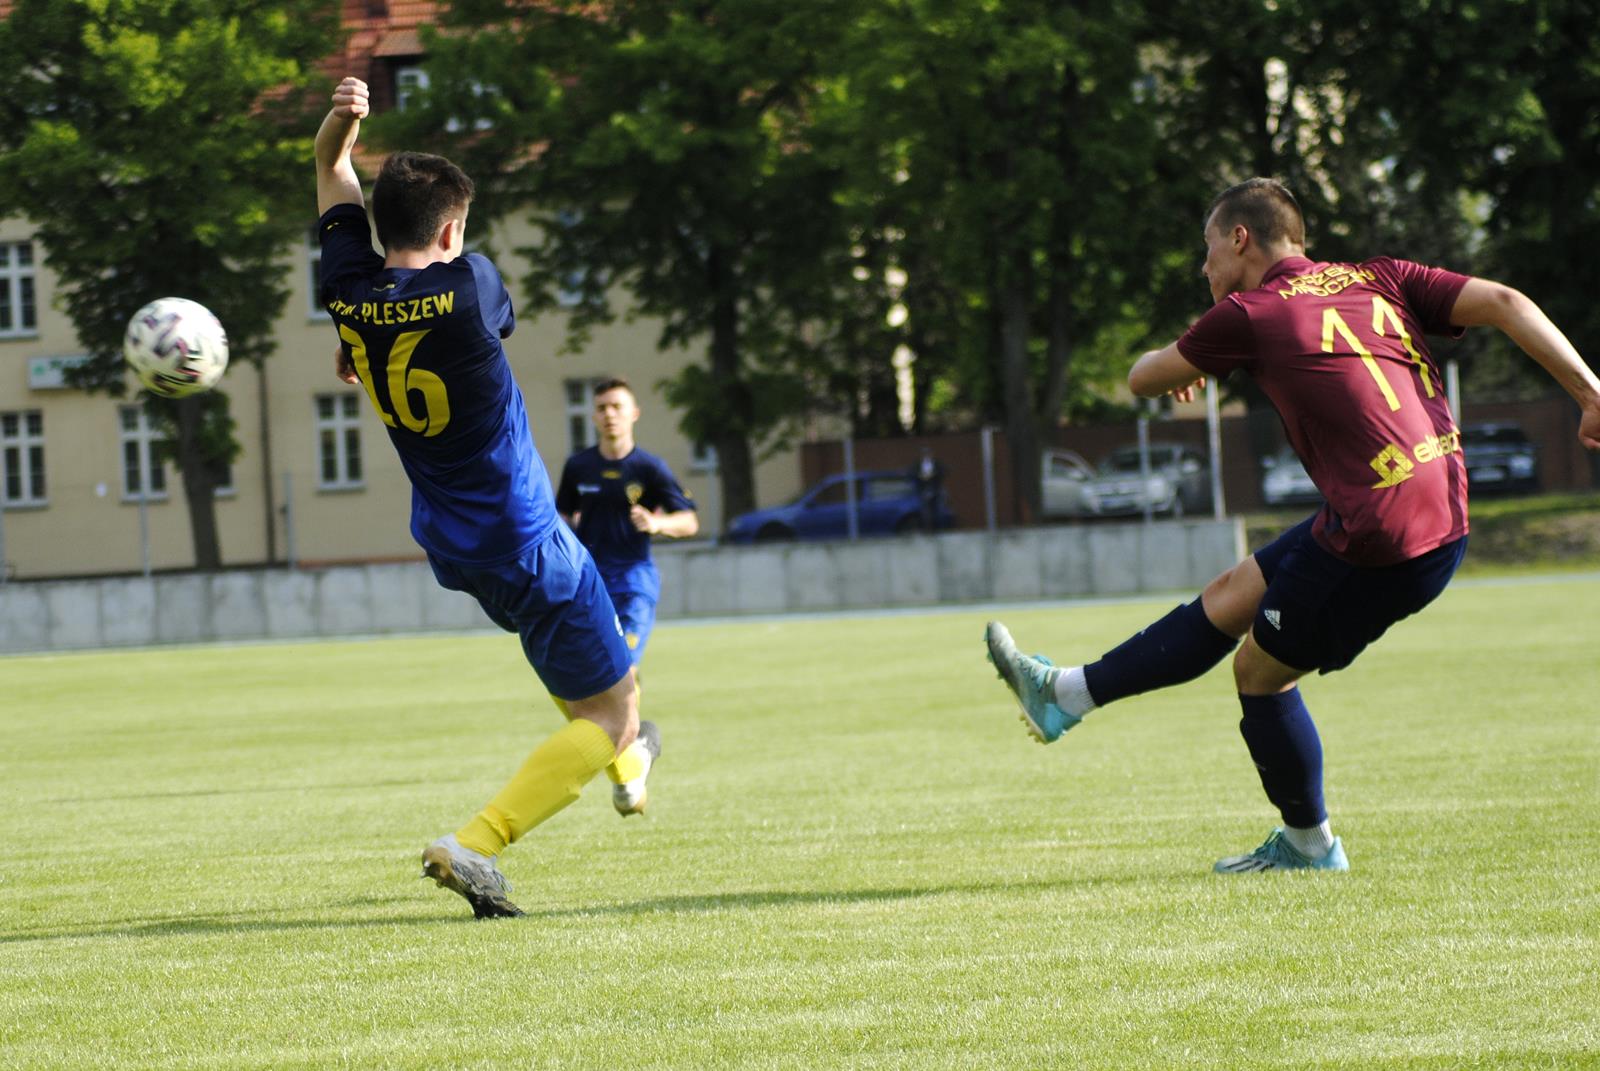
column 1032, row 679
column 1276, row 853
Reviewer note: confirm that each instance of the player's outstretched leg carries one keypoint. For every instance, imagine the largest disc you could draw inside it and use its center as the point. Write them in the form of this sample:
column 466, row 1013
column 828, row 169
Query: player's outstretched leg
column 1032, row 680
column 1179, row 647
column 630, row 794
column 470, row 874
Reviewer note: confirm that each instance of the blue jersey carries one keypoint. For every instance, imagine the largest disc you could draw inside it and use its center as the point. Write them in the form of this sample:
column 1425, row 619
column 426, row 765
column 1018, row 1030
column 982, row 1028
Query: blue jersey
column 426, row 343
column 602, row 491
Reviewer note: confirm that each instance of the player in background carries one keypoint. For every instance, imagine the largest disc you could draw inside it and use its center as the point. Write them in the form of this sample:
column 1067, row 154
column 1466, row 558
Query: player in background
column 1338, row 348
column 617, row 496
column 421, row 329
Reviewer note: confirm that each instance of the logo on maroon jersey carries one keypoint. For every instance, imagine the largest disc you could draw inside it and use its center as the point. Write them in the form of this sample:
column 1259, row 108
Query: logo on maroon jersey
column 1392, row 466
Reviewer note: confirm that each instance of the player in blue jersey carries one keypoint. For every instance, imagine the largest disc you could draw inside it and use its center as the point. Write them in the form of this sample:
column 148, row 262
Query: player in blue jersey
column 421, row 329
column 617, row 497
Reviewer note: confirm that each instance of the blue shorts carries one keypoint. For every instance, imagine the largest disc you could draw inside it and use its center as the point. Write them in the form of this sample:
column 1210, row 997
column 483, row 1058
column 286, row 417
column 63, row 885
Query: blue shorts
column 1320, row 611
column 638, row 616
column 553, row 598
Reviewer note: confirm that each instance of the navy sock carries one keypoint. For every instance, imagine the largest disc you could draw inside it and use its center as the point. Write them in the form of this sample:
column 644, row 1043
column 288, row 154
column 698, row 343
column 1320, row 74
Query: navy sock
column 1180, row 647
column 1288, row 754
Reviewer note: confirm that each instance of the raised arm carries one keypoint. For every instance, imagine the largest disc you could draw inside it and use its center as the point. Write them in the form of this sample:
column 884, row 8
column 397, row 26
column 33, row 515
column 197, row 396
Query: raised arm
column 336, row 175
column 1485, row 303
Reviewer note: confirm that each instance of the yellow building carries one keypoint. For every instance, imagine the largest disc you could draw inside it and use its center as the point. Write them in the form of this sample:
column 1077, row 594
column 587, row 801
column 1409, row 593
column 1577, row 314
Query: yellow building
column 318, row 481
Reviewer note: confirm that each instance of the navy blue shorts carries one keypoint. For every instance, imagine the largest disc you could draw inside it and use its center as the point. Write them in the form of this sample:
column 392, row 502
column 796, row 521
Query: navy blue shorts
column 552, row 597
column 638, row 616
column 1320, row 611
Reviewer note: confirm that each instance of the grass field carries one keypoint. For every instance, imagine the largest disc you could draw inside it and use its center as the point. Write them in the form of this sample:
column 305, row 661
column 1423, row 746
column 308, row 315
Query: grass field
column 854, row 858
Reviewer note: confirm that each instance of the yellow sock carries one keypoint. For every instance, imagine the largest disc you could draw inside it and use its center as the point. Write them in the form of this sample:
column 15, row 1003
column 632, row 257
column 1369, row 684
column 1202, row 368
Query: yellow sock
column 549, row 780
column 630, row 764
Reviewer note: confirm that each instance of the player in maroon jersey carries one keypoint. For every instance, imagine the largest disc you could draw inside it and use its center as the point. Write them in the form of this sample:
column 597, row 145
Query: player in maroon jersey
column 1339, row 350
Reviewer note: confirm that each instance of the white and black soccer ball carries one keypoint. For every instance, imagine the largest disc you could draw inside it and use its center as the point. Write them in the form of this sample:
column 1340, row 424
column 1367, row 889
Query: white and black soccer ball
column 176, row 347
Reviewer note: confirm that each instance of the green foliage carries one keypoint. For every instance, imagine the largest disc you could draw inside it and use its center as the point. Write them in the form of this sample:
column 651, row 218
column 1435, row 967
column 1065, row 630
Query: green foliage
column 663, row 150
column 872, row 868
column 160, row 147
column 1008, row 190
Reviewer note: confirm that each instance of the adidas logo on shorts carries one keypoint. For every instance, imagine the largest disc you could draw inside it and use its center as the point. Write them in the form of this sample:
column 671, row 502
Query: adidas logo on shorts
column 1273, row 618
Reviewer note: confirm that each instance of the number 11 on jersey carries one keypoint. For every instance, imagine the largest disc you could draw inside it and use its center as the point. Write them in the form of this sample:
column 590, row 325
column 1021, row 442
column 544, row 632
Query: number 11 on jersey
column 1383, row 314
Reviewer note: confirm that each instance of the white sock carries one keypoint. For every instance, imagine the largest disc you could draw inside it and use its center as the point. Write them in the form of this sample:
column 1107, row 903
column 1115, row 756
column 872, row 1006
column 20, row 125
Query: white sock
column 1072, row 692
column 1313, row 843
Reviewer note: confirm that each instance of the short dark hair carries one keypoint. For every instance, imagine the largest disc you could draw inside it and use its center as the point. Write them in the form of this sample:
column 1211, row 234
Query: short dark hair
column 1266, row 208
column 613, row 383
column 414, row 194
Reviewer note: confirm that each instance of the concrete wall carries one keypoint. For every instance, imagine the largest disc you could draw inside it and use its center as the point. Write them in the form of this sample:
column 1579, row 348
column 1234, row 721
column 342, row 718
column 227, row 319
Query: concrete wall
column 697, row 581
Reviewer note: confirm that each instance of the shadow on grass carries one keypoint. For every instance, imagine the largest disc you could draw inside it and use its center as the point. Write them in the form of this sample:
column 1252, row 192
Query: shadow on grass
column 447, row 910
column 263, row 790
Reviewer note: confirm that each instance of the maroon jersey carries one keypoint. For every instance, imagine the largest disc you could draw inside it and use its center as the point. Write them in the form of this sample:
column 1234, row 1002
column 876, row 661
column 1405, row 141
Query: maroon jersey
column 1339, row 350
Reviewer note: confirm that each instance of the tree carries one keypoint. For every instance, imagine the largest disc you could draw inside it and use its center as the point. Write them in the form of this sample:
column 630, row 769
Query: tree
column 1509, row 131
column 663, row 150
column 160, row 148
column 1008, row 162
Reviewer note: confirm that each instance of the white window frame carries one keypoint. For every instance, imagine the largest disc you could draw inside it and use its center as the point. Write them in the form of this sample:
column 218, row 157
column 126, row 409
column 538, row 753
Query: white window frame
column 17, row 448
column 314, row 309
column 569, row 287
column 417, row 76
column 225, row 488
column 343, row 425
column 579, row 395
column 703, row 458
column 144, row 438
column 16, row 277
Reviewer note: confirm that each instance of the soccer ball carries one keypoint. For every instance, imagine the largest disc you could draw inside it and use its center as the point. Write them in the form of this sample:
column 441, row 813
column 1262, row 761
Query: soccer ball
column 176, row 347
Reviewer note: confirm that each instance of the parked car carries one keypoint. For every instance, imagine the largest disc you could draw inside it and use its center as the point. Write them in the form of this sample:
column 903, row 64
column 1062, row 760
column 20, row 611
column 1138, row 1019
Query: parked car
column 1178, row 482
column 1285, row 482
column 1064, row 478
column 887, row 503
column 1500, row 457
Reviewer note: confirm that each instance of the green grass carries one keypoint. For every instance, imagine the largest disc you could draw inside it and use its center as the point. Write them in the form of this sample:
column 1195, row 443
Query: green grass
column 854, row 858
column 1511, row 534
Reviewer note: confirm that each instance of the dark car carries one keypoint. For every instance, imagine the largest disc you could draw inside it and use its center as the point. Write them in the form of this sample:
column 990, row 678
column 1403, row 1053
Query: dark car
column 887, row 503
column 1500, row 457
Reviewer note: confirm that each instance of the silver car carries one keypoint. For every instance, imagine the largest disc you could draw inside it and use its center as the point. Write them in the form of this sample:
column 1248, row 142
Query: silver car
column 1285, row 482
column 1064, row 477
column 1177, row 483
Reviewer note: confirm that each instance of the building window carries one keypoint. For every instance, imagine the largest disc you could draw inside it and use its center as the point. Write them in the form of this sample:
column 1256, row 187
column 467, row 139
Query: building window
column 18, row 314
column 143, row 472
column 408, row 82
column 338, row 441
column 571, row 284
column 411, row 80
column 224, row 487
column 314, row 308
column 581, row 432
column 704, row 458
column 22, row 458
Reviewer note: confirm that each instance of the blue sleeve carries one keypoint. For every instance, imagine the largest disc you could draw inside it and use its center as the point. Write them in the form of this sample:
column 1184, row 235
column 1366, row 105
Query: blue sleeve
column 346, row 240
column 494, row 303
column 667, row 493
